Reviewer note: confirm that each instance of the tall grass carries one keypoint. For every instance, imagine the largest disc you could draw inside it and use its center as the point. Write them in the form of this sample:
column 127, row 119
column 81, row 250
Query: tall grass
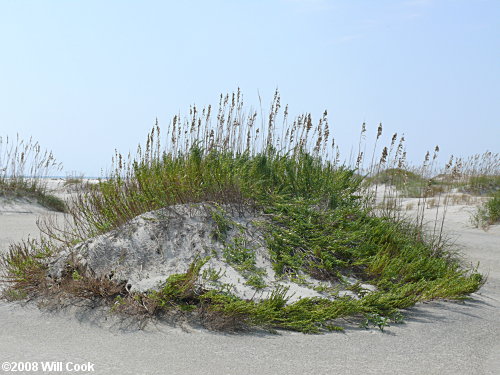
column 23, row 166
column 320, row 220
column 393, row 182
column 234, row 160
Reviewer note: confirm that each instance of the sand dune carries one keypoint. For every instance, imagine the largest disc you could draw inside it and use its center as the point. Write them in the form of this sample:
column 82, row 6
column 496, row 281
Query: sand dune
column 436, row 338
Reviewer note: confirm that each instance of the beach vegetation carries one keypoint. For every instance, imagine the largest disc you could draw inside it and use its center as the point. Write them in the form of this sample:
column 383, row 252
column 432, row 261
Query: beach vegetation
column 24, row 166
column 323, row 220
column 488, row 213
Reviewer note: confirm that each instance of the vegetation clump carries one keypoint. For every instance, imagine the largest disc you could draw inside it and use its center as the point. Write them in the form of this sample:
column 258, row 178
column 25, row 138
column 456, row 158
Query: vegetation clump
column 319, row 224
column 395, row 176
column 493, row 208
column 482, row 185
column 74, row 181
column 23, row 166
column 488, row 213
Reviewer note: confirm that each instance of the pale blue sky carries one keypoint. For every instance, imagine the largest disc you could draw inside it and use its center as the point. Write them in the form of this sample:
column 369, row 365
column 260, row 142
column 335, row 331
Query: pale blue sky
column 86, row 77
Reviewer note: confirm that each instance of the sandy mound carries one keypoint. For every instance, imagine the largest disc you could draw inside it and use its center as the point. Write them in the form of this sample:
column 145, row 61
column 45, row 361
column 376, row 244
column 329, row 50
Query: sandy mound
column 152, row 246
column 20, row 205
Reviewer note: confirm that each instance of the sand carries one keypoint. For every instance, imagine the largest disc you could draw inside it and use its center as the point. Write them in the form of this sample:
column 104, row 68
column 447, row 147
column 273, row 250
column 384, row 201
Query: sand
column 145, row 251
column 436, row 338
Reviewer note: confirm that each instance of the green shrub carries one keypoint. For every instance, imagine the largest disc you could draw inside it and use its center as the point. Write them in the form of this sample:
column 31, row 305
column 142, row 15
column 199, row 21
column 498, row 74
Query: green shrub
column 493, row 208
column 482, row 185
column 488, row 213
column 317, row 224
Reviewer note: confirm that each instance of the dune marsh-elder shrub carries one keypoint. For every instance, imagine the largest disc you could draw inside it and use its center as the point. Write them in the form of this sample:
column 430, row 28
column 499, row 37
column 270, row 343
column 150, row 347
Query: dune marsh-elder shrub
column 23, row 166
column 320, row 223
column 493, row 208
column 488, row 213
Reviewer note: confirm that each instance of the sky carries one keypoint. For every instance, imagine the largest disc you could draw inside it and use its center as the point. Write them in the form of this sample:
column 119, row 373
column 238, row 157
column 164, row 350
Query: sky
column 87, row 77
